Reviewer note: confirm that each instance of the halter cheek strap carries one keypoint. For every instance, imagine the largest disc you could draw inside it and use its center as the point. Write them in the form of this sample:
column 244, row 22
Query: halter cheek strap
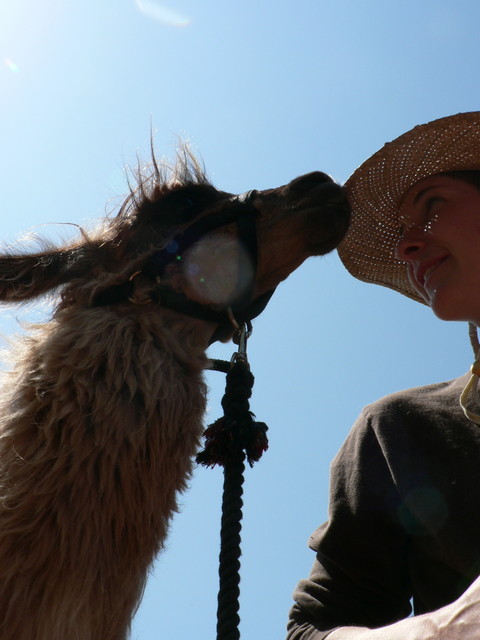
column 243, row 306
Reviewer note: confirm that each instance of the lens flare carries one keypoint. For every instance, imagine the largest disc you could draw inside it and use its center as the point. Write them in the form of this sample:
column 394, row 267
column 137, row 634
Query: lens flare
column 218, row 269
column 162, row 14
column 11, row 65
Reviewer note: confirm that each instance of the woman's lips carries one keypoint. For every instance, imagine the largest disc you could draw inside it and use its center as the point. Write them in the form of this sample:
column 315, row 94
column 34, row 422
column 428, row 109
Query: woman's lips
column 426, row 270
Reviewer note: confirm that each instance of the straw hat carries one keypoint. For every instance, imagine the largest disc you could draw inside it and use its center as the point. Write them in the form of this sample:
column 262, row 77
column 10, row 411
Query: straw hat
column 376, row 189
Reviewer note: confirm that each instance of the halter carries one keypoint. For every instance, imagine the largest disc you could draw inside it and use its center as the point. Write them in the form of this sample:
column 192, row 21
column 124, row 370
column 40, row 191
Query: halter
column 243, row 306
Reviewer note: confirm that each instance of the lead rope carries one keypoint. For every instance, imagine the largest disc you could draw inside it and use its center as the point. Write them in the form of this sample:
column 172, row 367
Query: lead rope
column 228, row 441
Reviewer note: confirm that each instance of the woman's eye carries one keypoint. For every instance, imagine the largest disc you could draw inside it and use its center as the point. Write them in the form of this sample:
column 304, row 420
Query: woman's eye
column 433, row 207
column 433, row 203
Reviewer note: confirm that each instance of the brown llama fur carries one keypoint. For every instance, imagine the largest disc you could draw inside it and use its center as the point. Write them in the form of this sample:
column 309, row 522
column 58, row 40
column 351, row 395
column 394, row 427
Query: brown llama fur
column 101, row 416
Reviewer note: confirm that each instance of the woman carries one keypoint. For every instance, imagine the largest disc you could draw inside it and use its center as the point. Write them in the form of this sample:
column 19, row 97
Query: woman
column 404, row 517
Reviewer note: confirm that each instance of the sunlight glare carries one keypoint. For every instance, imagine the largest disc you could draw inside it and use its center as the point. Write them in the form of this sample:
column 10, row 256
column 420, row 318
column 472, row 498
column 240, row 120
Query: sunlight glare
column 11, row 65
column 162, row 14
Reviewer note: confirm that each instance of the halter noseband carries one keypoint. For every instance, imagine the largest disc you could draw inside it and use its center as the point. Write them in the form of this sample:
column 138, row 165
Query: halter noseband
column 243, row 307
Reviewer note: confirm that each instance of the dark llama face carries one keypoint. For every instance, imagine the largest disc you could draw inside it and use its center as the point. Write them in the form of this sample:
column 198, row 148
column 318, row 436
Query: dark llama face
column 309, row 216
column 120, row 263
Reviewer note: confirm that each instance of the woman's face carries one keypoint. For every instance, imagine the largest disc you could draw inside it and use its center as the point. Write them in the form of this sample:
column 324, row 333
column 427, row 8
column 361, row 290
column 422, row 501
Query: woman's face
column 440, row 245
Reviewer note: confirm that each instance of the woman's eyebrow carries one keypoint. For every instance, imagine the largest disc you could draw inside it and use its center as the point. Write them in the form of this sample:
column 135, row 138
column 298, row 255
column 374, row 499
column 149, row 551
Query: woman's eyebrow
column 422, row 192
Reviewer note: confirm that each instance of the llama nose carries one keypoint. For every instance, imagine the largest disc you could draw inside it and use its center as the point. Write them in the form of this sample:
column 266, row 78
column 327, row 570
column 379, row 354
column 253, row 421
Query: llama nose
column 308, row 181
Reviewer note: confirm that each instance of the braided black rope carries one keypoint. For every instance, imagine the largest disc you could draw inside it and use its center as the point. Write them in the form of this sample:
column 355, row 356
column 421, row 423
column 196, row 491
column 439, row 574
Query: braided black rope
column 228, row 601
column 229, row 441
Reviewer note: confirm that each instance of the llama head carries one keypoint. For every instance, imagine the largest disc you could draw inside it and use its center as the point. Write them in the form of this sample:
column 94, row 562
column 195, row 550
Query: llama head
column 179, row 242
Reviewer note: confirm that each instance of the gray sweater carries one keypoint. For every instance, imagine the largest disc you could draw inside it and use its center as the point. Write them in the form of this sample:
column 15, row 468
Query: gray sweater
column 404, row 517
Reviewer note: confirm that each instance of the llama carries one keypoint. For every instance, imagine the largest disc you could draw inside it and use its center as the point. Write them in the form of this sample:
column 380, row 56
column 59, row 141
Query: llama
column 101, row 415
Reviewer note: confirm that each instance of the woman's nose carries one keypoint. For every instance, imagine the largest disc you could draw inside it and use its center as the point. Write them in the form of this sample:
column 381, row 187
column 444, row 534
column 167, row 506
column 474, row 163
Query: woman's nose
column 410, row 244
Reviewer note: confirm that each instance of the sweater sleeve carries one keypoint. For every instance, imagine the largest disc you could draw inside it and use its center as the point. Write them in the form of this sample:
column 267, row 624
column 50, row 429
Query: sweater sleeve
column 360, row 575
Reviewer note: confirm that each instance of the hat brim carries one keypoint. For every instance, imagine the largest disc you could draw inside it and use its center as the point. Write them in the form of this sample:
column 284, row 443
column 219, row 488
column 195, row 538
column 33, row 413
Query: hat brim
column 376, row 189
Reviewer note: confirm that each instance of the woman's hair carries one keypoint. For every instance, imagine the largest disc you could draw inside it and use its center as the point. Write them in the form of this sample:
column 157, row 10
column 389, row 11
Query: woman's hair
column 470, row 176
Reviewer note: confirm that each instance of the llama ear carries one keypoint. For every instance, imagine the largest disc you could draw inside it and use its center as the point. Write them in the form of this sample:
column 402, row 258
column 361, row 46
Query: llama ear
column 27, row 276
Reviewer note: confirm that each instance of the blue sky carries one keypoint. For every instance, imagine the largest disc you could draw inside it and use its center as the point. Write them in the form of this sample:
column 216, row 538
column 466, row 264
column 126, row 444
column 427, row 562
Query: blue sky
column 264, row 92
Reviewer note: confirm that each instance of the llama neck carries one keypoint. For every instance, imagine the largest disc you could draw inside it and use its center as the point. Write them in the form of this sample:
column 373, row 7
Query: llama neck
column 150, row 361
column 97, row 438
column 186, row 336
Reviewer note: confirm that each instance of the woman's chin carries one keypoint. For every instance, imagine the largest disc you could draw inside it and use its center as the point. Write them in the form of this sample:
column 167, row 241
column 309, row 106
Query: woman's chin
column 454, row 308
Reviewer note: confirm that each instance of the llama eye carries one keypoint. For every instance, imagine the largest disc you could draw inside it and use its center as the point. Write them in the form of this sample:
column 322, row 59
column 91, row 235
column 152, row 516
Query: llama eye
column 180, row 205
column 185, row 205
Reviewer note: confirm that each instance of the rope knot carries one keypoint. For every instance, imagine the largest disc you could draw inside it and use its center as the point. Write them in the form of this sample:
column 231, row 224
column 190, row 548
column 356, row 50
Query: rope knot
column 237, row 430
